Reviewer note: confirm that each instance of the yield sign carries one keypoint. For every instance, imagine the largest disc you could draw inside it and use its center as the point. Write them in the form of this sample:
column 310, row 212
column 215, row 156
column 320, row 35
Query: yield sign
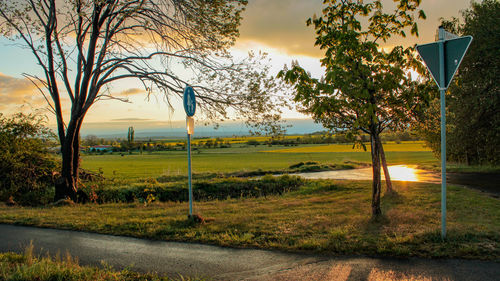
column 454, row 51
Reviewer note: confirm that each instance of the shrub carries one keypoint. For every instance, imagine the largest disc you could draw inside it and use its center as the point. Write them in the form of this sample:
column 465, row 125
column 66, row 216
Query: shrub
column 26, row 166
column 203, row 190
column 253, row 142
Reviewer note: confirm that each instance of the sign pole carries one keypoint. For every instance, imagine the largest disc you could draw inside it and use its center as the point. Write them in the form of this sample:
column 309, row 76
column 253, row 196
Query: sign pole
column 189, row 175
column 189, row 101
column 442, row 59
column 442, row 91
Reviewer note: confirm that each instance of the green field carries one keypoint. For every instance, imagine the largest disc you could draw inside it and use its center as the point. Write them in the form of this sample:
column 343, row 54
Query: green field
column 245, row 158
column 329, row 216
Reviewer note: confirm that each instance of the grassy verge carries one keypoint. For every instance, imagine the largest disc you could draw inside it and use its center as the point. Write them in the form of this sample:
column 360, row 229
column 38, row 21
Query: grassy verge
column 321, row 216
column 28, row 267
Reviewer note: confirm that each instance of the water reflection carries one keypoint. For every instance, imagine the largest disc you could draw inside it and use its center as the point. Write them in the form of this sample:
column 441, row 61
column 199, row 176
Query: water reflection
column 403, row 173
column 397, row 173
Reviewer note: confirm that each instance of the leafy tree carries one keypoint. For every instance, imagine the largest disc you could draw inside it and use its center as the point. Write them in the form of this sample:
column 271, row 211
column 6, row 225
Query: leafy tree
column 473, row 99
column 26, row 165
column 366, row 89
column 130, row 139
column 130, row 135
column 85, row 46
column 91, row 140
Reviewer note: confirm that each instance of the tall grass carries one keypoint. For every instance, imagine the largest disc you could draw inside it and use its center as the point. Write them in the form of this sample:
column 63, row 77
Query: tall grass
column 28, row 266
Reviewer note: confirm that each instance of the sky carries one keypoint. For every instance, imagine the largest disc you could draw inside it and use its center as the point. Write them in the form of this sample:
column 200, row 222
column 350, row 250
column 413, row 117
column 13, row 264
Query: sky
column 273, row 26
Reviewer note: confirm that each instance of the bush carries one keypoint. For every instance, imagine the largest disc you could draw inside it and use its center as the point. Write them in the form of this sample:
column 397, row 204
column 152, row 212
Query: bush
column 203, row 190
column 253, row 142
column 26, row 166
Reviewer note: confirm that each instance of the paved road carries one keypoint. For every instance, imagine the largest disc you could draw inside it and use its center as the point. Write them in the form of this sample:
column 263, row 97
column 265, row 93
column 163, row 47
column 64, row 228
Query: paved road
column 171, row 258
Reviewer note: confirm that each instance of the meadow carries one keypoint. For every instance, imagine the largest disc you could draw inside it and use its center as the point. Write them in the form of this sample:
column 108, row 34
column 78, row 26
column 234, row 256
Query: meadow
column 242, row 157
column 144, row 196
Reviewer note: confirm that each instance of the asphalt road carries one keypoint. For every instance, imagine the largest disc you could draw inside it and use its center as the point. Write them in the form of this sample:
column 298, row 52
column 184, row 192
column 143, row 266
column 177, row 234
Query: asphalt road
column 172, row 258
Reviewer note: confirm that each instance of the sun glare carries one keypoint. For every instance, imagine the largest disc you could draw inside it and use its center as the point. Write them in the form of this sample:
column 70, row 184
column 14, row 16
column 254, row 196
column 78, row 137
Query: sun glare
column 403, row 173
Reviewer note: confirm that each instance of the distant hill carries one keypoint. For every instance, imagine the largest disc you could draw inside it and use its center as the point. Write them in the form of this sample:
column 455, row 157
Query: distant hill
column 144, row 129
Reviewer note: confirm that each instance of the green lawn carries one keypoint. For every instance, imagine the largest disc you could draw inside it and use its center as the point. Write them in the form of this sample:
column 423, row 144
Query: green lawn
column 224, row 160
column 323, row 216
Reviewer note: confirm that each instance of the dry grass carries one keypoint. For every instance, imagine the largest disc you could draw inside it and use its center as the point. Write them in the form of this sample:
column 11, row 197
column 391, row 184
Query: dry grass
column 30, row 267
column 331, row 217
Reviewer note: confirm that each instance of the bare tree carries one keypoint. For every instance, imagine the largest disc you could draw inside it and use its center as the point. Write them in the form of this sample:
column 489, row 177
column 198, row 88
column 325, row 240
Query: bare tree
column 84, row 46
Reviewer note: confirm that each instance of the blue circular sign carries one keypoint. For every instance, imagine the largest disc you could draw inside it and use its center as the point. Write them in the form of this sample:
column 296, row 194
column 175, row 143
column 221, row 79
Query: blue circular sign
column 189, row 101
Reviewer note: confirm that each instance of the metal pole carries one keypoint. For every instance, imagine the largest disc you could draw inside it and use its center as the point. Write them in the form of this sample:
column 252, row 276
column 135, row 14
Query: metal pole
column 189, row 176
column 442, row 90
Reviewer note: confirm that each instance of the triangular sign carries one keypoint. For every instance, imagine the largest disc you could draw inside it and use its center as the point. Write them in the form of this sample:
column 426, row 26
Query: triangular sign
column 454, row 51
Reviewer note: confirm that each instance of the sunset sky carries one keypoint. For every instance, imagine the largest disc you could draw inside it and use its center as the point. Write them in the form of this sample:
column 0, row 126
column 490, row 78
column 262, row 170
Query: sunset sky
column 274, row 26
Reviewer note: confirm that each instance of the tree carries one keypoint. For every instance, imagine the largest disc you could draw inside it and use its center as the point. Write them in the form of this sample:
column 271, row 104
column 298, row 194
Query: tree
column 26, row 165
column 84, row 46
column 473, row 99
column 366, row 89
column 130, row 139
column 91, row 140
column 130, row 135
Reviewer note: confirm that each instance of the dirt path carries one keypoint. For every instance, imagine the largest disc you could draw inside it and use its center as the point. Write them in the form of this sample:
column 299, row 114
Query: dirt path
column 218, row 263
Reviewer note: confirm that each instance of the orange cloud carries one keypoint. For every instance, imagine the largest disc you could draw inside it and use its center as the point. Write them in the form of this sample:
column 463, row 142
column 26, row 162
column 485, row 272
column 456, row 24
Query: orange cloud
column 281, row 24
column 131, row 91
column 18, row 91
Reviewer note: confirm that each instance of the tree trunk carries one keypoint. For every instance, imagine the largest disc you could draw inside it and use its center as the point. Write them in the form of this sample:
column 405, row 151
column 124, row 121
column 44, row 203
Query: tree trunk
column 76, row 151
column 376, row 184
column 67, row 185
column 384, row 166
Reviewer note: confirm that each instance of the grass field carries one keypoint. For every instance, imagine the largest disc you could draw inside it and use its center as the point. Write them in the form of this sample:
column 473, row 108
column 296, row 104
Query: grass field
column 246, row 158
column 323, row 216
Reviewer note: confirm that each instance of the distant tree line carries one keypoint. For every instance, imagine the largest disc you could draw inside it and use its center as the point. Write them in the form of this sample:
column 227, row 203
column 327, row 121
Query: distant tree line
column 326, row 138
column 130, row 145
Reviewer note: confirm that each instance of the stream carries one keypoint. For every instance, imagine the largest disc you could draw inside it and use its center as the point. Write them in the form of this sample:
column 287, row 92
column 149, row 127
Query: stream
column 485, row 182
column 397, row 173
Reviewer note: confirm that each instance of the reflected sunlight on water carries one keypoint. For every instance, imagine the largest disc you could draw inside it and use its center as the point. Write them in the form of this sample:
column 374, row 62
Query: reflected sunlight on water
column 397, row 172
column 403, row 173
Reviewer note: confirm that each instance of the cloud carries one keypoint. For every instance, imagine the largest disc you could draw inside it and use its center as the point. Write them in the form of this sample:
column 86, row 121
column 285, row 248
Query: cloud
column 131, row 120
column 18, row 91
column 280, row 25
column 131, row 91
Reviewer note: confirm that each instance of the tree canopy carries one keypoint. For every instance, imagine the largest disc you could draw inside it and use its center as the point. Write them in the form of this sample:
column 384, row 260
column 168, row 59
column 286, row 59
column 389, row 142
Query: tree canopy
column 366, row 88
column 84, row 47
column 473, row 99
